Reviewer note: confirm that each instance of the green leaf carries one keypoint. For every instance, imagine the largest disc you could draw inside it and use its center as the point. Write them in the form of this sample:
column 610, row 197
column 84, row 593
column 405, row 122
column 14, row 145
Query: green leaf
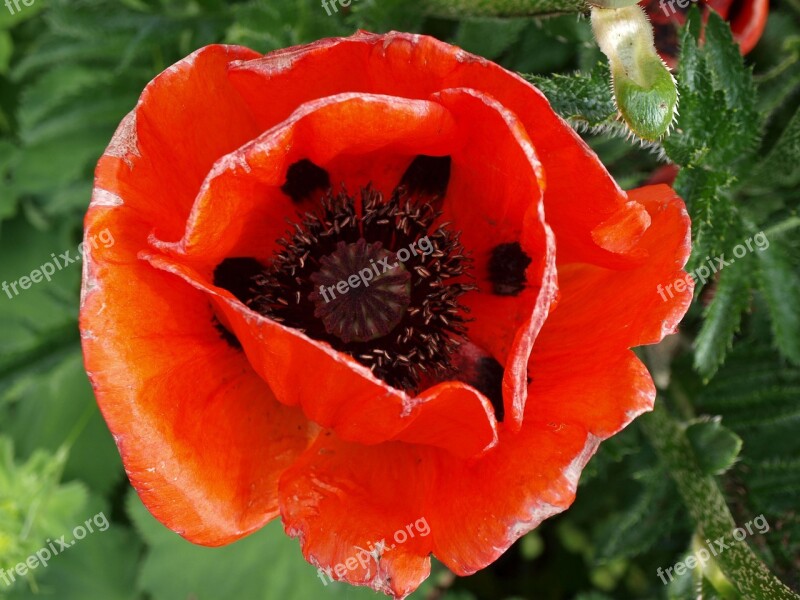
column 584, row 99
column 726, row 67
column 722, row 319
column 716, row 224
column 714, row 75
column 34, row 506
column 27, row 10
column 782, row 163
column 53, row 408
column 489, row 37
column 779, row 276
column 101, row 565
column 645, row 520
column 39, row 321
column 715, row 447
column 6, row 50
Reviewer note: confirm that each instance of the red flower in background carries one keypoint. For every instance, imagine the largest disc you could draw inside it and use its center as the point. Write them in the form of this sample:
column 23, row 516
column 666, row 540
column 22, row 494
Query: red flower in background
column 747, row 19
column 467, row 385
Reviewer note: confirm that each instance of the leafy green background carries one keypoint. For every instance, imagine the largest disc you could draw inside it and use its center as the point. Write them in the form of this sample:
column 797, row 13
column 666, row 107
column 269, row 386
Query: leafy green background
column 729, row 383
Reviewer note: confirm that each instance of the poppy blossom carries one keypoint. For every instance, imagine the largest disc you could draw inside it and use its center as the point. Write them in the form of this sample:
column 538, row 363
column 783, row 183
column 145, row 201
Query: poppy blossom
column 365, row 283
column 747, row 19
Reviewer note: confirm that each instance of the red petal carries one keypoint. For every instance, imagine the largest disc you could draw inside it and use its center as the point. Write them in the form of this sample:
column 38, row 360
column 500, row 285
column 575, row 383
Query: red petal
column 344, row 395
column 495, row 197
column 580, row 193
column 252, row 218
column 346, row 507
column 149, row 159
column 192, row 420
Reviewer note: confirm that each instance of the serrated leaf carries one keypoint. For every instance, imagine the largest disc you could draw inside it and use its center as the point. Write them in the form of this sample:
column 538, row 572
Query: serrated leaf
column 34, row 505
column 644, row 521
column 756, row 393
column 711, row 76
column 101, row 565
column 584, row 99
column 782, row 163
column 716, row 223
column 779, row 277
column 727, row 69
column 722, row 319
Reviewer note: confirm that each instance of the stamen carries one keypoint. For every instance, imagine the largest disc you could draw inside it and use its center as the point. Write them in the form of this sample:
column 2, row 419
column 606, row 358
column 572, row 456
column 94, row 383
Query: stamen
column 408, row 321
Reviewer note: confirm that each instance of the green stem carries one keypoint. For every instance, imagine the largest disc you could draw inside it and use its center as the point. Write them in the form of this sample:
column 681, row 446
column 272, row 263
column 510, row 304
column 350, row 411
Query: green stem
column 502, row 8
column 706, row 504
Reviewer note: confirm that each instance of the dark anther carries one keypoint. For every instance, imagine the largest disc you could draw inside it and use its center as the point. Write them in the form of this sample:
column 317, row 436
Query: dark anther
column 303, row 179
column 428, row 176
column 489, row 382
column 507, row 265
column 236, row 275
column 226, row 334
column 376, row 278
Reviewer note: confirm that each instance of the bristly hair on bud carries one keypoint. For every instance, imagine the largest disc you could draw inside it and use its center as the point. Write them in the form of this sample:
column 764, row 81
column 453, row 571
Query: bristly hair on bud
column 645, row 92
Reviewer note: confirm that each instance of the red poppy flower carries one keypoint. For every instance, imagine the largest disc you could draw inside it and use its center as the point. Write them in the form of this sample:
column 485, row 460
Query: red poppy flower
column 747, row 19
column 464, row 386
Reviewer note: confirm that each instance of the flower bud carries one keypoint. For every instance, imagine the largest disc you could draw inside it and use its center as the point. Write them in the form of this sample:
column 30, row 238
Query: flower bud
column 644, row 89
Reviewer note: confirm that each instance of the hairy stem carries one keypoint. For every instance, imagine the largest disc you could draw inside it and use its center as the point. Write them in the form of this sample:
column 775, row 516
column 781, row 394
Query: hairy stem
column 706, row 504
